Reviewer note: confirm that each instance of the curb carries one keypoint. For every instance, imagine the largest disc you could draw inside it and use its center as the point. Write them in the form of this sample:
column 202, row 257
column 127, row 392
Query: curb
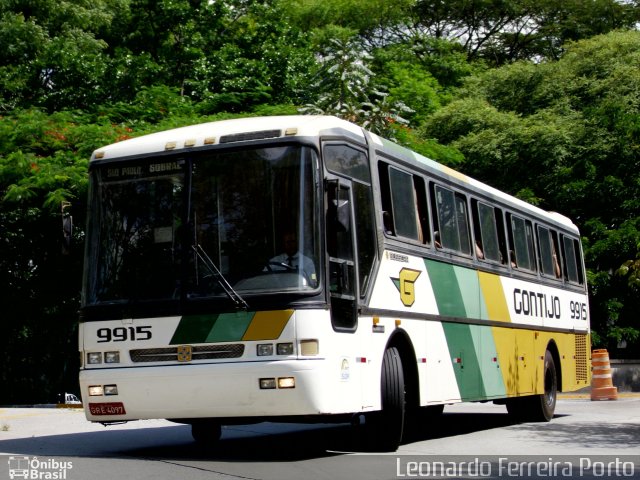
column 587, row 396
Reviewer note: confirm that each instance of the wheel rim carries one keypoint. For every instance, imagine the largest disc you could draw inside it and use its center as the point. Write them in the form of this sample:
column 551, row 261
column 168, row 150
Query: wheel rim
column 549, row 387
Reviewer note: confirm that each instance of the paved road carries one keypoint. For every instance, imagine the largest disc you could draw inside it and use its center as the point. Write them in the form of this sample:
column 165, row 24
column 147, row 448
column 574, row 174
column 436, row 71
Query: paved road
column 64, row 443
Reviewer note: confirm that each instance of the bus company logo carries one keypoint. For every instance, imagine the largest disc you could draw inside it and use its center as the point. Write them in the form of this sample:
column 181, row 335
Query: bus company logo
column 33, row 468
column 185, row 353
column 405, row 285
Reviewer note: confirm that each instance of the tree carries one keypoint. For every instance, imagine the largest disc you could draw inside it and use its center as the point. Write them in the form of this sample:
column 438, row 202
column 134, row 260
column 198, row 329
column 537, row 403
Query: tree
column 500, row 31
column 345, row 88
column 55, row 59
column 565, row 135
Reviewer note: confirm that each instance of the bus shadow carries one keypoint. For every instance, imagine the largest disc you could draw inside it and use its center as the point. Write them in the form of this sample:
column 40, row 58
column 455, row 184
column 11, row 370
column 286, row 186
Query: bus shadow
column 316, row 441
column 259, row 443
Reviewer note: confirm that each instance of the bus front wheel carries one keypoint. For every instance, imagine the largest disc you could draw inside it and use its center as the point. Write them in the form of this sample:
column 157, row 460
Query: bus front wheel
column 385, row 428
column 206, row 433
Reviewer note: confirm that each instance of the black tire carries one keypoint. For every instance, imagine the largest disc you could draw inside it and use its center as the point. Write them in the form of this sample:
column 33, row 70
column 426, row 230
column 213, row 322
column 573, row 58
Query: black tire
column 387, row 426
column 206, row 433
column 543, row 406
column 538, row 408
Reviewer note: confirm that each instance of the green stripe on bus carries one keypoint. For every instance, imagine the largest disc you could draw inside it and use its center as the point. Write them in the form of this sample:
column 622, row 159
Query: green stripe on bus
column 224, row 327
column 465, row 361
column 490, row 368
column 193, row 329
column 445, row 286
column 473, row 300
column 230, row 327
column 475, row 361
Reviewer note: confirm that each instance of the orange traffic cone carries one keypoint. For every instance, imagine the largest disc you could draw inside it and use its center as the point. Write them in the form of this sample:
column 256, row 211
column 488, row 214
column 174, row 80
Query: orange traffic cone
column 601, row 381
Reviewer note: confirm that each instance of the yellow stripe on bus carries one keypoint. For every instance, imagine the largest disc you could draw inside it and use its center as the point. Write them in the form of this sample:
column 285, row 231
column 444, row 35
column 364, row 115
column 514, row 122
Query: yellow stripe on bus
column 494, row 298
column 267, row 325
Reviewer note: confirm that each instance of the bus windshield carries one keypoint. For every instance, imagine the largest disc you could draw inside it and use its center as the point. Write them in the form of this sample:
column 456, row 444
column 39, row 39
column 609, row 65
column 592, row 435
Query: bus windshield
column 219, row 224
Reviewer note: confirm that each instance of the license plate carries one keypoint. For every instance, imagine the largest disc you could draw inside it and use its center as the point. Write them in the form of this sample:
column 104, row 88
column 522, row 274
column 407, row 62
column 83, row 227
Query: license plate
column 114, row 408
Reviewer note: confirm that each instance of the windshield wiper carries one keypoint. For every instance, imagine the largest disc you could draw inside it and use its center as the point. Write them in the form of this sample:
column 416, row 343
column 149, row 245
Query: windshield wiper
column 215, row 271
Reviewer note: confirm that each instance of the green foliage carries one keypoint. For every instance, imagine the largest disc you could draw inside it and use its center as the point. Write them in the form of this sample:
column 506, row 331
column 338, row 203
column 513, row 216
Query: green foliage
column 501, row 32
column 561, row 131
column 631, row 270
column 564, row 135
column 345, row 87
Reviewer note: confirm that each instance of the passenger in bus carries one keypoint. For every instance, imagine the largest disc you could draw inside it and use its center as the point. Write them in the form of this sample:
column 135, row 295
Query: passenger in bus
column 556, row 264
column 293, row 260
column 479, row 252
column 387, row 222
column 436, row 239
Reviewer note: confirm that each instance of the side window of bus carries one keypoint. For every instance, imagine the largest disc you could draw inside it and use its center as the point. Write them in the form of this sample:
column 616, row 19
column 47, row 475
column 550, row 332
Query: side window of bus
column 521, row 244
column 549, row 252
column 451, row 220
column 404, row 204
column 572, row 264
column 489, row 232
column 348, row 161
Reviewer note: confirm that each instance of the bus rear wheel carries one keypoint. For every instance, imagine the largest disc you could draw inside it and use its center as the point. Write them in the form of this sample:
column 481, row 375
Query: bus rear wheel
column 544, row 406
column 538, row 408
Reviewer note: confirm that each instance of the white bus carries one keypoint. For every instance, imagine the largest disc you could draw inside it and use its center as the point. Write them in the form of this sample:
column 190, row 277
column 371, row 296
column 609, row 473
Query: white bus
column 301, row 268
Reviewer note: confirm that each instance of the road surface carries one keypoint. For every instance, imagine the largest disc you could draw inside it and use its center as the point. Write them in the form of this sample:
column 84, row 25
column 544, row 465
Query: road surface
column 585, row 437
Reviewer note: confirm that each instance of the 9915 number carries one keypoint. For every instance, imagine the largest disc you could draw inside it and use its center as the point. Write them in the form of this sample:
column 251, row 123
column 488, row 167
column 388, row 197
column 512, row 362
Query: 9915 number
column 578, row 310
column 122, row 334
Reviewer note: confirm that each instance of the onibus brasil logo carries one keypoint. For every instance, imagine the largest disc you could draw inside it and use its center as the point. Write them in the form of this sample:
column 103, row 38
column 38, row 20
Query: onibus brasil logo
column 33, row 468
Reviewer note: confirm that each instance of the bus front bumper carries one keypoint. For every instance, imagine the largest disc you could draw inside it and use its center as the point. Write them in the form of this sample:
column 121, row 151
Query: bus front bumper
column 209, row 391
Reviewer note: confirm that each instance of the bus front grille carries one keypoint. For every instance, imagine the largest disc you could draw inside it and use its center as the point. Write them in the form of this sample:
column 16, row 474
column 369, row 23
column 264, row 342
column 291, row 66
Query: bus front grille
column 170, row 354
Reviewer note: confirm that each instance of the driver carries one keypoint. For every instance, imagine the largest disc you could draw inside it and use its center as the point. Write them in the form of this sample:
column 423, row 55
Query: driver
column 292, row 259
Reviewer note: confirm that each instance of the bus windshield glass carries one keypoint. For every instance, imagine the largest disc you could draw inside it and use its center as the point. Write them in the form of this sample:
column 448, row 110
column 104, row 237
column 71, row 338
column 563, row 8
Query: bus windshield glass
column 219, row 224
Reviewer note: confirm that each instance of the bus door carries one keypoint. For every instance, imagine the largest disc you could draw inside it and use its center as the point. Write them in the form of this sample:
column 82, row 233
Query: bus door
column 340, row 249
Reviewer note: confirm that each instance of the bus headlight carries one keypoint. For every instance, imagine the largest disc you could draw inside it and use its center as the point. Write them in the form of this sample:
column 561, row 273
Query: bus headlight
column 265, row 349
column 96, row 391
column 111, row 390
column 286, row 382
column 111, row 357
column 267, row 383
column 94, row 358
column 285, row 348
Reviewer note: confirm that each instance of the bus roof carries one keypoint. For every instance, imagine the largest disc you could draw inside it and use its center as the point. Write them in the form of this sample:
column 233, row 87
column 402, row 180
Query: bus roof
column 460, row 178
column 241, row 128
column 257, row 128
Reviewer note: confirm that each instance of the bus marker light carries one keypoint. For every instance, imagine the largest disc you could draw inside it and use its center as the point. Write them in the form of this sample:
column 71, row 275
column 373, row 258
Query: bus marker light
column 285, row 348
column 267, row 383
column 96, row 391
column 110, row 390
column 291, row 131
column 309, row 347
column 264, row 349
column 111, row 357
column 361, row 359
column 94, row 358
column 398, row 322
column 286, row 382
column 209, row 140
